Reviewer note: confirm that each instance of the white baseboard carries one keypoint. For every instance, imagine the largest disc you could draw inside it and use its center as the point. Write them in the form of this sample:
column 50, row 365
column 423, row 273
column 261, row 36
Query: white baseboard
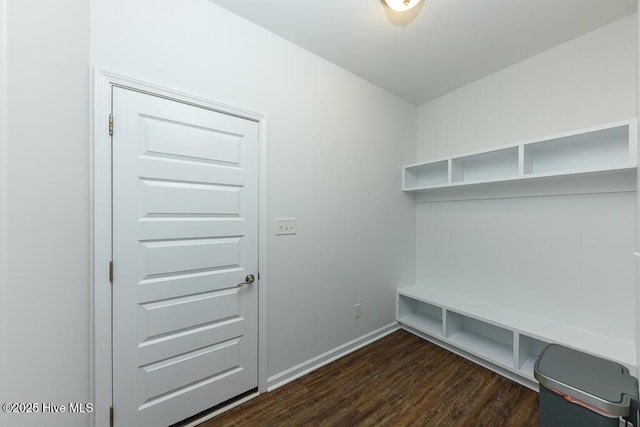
column 310, row 365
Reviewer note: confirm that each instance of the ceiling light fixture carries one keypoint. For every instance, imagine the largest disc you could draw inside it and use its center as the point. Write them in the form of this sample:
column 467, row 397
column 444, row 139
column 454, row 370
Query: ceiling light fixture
column 401, row 5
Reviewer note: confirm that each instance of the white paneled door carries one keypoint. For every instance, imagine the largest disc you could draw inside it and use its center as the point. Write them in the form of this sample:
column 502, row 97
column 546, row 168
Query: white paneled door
column 185, row 242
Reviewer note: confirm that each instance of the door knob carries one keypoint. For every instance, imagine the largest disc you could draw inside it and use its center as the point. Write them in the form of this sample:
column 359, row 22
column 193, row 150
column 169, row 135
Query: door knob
column 248, row 280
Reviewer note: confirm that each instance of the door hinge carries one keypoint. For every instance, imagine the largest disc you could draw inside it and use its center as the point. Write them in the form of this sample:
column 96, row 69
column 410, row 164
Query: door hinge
column 111, row 124
column 110, row 416
column 111, row 271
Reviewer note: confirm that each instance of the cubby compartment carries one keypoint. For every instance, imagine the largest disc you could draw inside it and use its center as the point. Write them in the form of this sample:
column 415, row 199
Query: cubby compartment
column 600, row 149
column 483, row 339
column 420, row 315
column 487, row 166
column 529, row 349
column 427, row 175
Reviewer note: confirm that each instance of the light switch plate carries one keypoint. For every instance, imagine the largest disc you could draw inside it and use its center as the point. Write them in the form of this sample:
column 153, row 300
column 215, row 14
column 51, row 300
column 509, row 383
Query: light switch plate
column 286, row 226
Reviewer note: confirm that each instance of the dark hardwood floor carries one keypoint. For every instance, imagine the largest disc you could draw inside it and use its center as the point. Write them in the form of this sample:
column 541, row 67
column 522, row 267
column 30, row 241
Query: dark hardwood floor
column 400, row 380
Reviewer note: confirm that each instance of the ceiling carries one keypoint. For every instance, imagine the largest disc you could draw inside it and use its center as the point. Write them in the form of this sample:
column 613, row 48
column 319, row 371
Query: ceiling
column 435, row 48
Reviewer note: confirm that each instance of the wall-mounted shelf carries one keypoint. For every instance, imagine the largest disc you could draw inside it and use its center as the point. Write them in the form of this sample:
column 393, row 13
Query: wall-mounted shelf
column 606, row 148
column 504, row 340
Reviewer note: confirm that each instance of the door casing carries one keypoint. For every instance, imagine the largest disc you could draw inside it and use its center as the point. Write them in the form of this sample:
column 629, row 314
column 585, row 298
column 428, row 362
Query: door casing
column 101, row 231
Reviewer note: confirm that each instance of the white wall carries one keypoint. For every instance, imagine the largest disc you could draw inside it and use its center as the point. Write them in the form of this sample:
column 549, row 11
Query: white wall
column 638, row 194
column 586, row 81
column 3, row 168
column 566, row 258
column 336, row 145
column 46, row 258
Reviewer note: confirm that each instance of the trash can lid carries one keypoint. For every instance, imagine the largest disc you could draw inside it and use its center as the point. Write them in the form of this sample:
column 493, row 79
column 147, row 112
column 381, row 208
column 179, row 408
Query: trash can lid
column 598, row 384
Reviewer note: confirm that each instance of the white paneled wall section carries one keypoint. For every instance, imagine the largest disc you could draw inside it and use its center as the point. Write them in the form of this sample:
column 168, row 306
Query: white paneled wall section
column 564, row 253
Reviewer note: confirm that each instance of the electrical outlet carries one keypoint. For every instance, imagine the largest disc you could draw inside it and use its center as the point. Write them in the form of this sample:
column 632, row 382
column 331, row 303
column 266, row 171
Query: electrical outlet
column 357, row 310
column 286, row 226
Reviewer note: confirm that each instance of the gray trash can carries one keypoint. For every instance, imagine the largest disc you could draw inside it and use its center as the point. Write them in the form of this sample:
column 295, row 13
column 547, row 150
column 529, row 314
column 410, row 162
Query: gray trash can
column 581, row 390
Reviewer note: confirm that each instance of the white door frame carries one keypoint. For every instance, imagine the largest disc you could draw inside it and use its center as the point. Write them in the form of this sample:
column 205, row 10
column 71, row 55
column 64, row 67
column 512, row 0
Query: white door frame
column 101, row 246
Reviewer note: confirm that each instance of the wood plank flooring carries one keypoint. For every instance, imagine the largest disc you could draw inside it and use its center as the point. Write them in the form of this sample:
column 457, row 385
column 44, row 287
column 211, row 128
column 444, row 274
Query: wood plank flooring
column 399, row 380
